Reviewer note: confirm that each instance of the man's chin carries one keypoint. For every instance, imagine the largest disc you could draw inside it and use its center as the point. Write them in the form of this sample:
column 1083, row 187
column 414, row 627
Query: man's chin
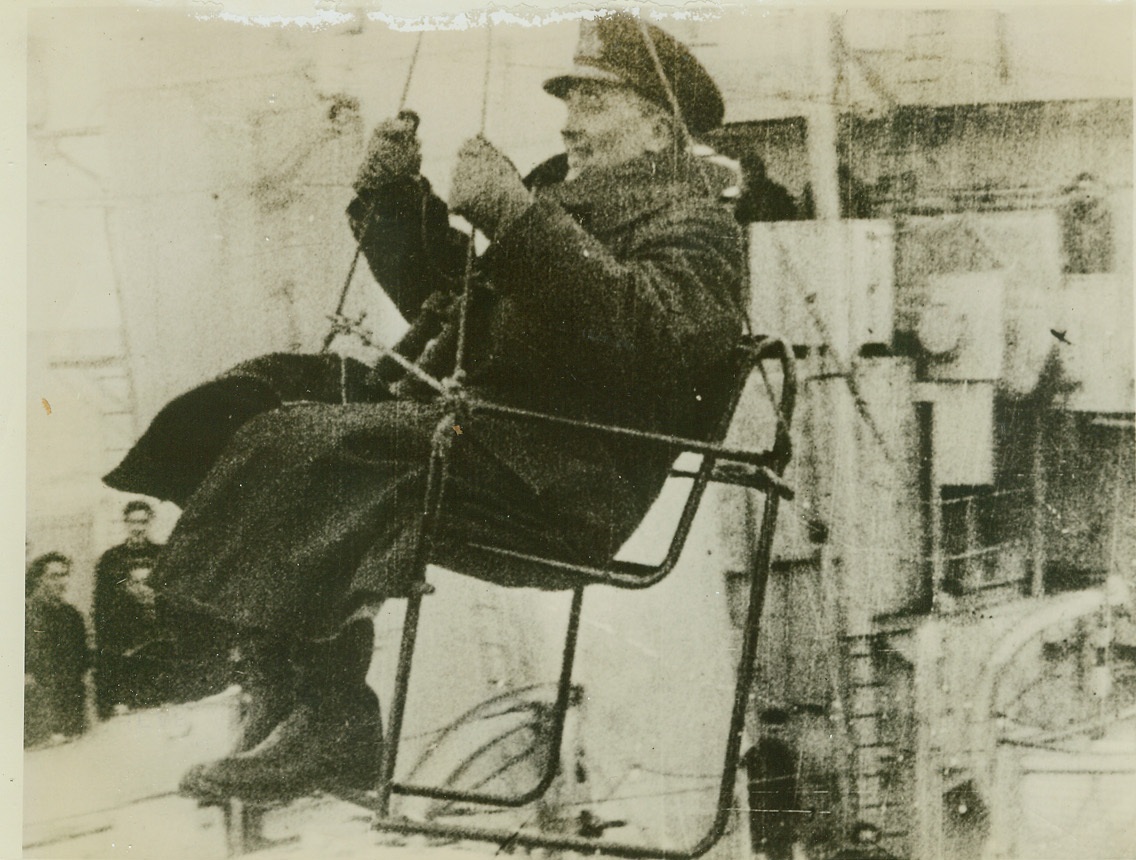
column 577, row 164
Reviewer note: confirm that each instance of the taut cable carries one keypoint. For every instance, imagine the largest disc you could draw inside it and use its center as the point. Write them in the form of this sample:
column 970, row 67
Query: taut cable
column 471, row 251
column 683, row 137
column 359, row 245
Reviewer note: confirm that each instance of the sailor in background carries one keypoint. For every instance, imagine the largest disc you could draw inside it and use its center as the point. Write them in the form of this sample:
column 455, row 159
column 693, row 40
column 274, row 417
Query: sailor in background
column 56, row 657
column 123, row 612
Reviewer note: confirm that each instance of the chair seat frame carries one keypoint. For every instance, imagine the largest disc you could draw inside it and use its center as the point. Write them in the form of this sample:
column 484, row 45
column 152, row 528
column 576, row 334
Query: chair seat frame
column 759, row 469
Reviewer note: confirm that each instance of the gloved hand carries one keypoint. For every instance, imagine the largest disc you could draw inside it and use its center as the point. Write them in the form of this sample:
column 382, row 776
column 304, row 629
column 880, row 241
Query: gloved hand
column 394, row 152
column 486, row 188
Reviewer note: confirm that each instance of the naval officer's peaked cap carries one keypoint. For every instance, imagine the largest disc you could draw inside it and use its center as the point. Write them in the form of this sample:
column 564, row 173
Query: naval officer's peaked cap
column 613, row 49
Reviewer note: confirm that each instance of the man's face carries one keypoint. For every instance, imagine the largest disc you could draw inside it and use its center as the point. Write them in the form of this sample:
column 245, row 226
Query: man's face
column 607, row 125
column 138, row 526
column 53, row 583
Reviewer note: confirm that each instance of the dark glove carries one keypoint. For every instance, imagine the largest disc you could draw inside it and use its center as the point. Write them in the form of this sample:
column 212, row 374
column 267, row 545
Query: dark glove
column 394, row 152
column 486, row 188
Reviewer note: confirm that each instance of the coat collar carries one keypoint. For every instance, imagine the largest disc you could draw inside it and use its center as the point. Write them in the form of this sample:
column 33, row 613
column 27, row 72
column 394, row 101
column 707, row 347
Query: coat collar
column 605, row 199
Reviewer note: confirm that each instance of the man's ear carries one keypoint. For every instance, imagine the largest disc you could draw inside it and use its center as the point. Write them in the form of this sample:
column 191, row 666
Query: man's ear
column 662, row 133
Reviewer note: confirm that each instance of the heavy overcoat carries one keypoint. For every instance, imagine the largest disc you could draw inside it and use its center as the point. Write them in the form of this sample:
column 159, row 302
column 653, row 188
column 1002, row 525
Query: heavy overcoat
column 616, row 297
column 56, row 657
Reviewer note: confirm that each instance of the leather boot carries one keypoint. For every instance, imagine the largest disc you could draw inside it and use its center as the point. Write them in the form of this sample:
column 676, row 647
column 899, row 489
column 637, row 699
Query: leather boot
column 331, row 740
column 264, row 669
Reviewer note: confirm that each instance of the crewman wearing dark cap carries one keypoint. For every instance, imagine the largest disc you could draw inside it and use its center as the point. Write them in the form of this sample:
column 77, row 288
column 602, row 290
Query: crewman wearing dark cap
column 611, row 291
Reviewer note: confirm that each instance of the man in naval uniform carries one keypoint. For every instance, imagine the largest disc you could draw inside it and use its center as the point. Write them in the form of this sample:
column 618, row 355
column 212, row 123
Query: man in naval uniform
column 611, row 291
column 122, row 614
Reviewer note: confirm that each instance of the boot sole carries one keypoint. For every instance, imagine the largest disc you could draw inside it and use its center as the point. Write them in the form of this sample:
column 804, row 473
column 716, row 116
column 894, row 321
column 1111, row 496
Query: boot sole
column 197, row 785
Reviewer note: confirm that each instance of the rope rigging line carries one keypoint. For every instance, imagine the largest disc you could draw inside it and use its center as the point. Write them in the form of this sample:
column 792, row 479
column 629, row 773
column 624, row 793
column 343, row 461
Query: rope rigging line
column 401, row 111
column 684, row 139
column 343, row 325
column 359, row 247
column 447, row 387
column 471, row 249
column 410, row 72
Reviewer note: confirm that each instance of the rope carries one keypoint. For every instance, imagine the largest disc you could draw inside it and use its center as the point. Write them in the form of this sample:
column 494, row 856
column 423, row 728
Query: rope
column 359, row 245
column 683, row 135
column 682, row 131
column 471, row 249
column 343, row 325
column 410, row 71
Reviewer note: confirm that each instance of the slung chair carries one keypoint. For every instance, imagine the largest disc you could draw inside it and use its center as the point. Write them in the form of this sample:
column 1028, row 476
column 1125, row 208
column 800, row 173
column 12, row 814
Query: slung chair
column 761, row 469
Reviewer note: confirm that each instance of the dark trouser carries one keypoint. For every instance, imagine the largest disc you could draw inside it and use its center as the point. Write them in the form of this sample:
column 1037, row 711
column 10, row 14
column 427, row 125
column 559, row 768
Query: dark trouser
column 314, row 509
column 295, row 515
column 54, row 706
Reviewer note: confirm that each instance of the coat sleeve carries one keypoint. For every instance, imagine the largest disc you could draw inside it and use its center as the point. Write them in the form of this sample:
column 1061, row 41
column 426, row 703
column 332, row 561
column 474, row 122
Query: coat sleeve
column 404, row 232
column 670, row 304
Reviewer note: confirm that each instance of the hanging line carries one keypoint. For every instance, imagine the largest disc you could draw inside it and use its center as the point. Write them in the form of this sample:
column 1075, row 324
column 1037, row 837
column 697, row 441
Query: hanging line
column 342, row 325
column 845, row 370
column 684, row 138
column 458, row 376
column 359, row 245
column 682, row 132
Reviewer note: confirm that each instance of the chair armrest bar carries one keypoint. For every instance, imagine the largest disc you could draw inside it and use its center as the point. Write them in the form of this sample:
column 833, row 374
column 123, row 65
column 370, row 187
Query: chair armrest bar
column 756, row 349
column 762, row 469
column 742, row 455
column 622, row 574
column 739, row 475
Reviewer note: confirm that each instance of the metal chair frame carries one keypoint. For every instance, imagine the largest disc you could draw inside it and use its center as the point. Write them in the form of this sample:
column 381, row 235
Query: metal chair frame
column 760, row 469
